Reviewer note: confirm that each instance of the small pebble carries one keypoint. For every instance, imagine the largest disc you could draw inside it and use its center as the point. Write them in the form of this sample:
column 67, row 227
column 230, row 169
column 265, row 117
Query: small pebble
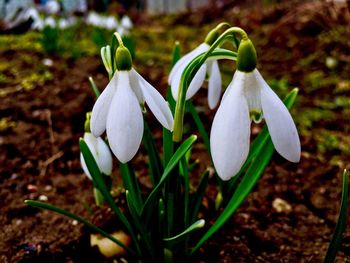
column 74, row 222
column 47, row 188
column 32, row 188
column 43, row 198
column 281, row 205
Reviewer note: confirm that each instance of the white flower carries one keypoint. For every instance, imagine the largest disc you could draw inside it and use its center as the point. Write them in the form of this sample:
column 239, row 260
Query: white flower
column 50, row 22
column 52, row 7
column 126, row 22
column 100, row 152
column 248, row 94
column 210, row 67
column 125, row 26
column 118, row 111
column 95, row 19
column 111, row 23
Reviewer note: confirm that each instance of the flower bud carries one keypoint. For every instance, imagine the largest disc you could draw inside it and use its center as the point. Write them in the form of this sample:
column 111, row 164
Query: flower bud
column 87, row 122
column 123, row 59
column 246, row 57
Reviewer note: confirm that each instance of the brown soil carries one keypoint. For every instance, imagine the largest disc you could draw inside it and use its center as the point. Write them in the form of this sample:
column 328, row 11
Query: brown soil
column 40, row 159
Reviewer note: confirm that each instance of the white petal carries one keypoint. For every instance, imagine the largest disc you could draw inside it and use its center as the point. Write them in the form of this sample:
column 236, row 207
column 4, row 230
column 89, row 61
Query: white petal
column 197, row 81
column 176, row 72
column 91, row 142
column 281, row 126
column 155, row 102
column 214, row 86
column 100, row 152
column 83, row 165
column 230, row 132
column 101, row 108
column 124, row 121
column 104, row 157
column 135, row 86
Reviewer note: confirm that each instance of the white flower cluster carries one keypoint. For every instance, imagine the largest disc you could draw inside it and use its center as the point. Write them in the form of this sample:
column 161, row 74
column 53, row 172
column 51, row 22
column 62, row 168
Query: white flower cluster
column 110, row 22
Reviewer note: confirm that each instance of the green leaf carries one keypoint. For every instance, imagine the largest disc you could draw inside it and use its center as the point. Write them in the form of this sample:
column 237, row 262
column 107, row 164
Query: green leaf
column 139, row 225
column 53, row 208
column 341, row 224
column 94, row 87
column 200, row 126
column 180, row 152
column 154, row 161
column 131, row 184
column 176, row 54
column 100, row 184
column 198, row 196
column 180, row 237
column 186, row 194
column 249, row 180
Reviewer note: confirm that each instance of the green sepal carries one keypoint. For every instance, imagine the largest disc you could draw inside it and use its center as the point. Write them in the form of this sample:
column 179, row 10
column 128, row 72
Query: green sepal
column 246, row 56
column 87, row 122
column 123, row 58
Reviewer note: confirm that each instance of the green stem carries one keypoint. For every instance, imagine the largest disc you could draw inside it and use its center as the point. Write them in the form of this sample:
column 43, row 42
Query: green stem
column 119, row 38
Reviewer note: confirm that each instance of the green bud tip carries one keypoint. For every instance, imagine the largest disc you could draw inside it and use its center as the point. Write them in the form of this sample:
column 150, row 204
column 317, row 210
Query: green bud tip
column 87, row 122
column 212, row 36
column 246, row 57
column 123, row 58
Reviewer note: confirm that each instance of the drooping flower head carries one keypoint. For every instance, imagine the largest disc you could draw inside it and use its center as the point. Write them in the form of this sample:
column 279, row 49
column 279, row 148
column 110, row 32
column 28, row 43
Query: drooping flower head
column 210, row 67
column 118, row 110
column 99, row 151
column 248, row 97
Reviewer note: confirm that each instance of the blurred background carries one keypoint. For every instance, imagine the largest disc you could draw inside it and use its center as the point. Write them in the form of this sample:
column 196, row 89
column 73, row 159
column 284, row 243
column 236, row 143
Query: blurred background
column 48, row 49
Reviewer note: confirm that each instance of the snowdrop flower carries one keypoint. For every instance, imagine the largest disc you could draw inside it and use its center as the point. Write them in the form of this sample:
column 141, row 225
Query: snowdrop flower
column 125, row 26
column 118, row 110
column 111, row 23
column 50, row 22
column 52, row 7
column 249, row 97
column 211, row 68
column 100, row 152
column 95, row 19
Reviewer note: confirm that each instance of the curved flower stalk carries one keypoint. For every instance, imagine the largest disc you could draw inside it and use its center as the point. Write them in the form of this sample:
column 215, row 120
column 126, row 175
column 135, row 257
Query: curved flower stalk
column 210, row 67
column 249, row 97
column 101, row 153
column 118, row 110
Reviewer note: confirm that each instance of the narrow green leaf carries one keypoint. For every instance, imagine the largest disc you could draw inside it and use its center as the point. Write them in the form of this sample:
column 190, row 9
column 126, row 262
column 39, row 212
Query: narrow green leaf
column 180, row 152
column 100, row 184
column 180, row 237
column 154, row 161
column 131, row 184
column 94, row 87
column 249, row 180
column 168, row 146
column 198, row 196
column 145, row 238
column 200, row 126
column 264, row 151
column 53, row 208
column 186, row 194
column 341, row 224
column 176, row 53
